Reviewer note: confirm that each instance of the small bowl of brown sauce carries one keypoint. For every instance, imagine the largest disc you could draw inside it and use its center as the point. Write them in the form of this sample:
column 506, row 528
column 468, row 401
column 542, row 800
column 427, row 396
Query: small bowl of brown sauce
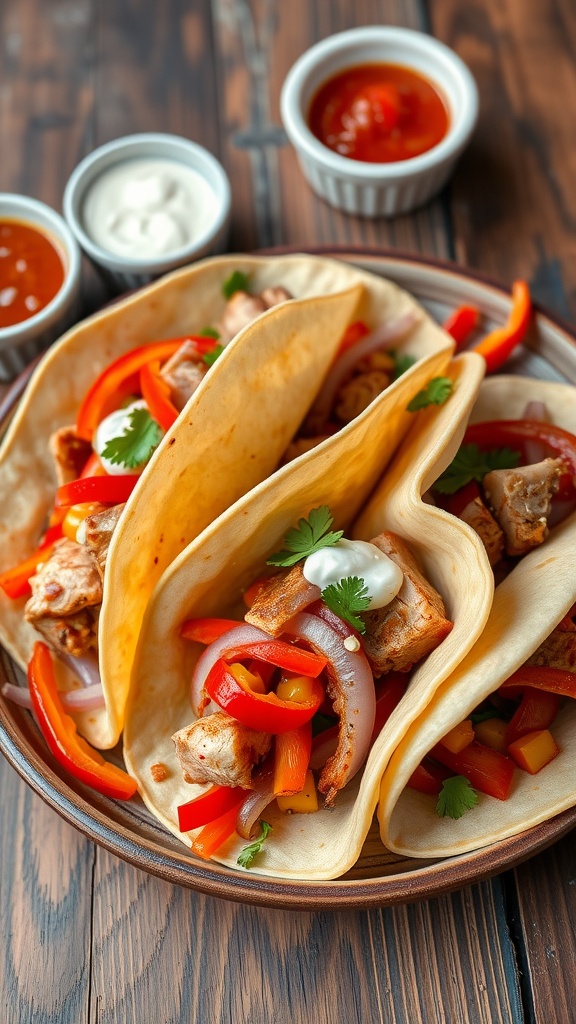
column 378, row 117
column 39, row 280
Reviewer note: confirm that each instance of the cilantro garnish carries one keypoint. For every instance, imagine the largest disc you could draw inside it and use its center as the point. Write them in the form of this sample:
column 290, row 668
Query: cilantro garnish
column 345, row 598
column 210, row 357
column 247, row 855
column 210, row 332
column 237, row 282
column 310, row 535
column 485, row 716
column 472, row 464
column 135, row 446
column 402, row 363
column 436, row 392
column 456, row 797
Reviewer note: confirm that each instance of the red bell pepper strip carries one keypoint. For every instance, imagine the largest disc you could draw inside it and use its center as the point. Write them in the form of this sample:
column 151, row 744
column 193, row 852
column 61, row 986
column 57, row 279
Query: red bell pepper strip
column 537, row 710
column 461, row 323
column 515, row 434
column 291, row 760
column 210, row 805
column 497, row 346
column 353, row 333
column 216, row 832
column 263, row 712
column 281, row 654
column 156, row 393
column 59, row 731
column 388, row 700
column 428, row 777
column 14, row 582
column 540, row 677
column 116, row 382
column 108, row 490
column 485, row 769
column 205, row 631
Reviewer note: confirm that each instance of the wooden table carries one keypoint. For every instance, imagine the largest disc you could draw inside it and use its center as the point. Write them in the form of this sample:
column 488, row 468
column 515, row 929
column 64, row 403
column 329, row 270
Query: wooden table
column 87, row 937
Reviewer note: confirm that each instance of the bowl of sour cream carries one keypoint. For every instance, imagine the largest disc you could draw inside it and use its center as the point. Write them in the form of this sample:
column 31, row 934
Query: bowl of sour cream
column 144, row 204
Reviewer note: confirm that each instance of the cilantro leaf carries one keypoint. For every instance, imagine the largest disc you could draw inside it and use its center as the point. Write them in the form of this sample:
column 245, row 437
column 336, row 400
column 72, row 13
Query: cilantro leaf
column 436, row 392
column 345, row 598
column 310, row 535
column 402, row 363
column 210, row 332
column 470, row 463
column 237, row 282
column 456, row 797
column 210, row 357
column 135, row 446
column 247, row 855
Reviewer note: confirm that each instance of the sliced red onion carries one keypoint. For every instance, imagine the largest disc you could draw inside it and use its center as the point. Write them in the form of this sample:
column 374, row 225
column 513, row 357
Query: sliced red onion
column 384, row 337
column 536, row 451
column 86, row 699
column 351, row 689
column 86, row 669
column 18, row 694
column 344, row 629
column 241, row 634
column 256, row 801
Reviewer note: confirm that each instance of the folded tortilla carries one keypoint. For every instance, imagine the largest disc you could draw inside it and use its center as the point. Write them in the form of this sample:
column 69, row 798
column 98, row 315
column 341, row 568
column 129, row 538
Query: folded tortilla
column 527, row 606
column 209, row 577
column 230, row 436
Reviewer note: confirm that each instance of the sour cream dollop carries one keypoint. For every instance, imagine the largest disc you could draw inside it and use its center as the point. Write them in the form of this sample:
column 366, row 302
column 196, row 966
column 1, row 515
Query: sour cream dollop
column 116, row 425
column 381, row 575
column 147, row 208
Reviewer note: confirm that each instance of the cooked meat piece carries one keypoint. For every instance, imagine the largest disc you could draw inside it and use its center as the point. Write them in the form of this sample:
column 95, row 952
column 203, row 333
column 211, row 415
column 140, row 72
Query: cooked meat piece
column 76, row 634
column 65, row 584
column 521, row 500
column 183, row 373
column 240, row 311
column 558, row 650
column 413, row 624
column 97, row 533
column 70, row 452
column 281, row 599
column 379, row 360
column 479, row 518
column 301, row 446
column 220, row 750
column 274, row 296
column 355, row 396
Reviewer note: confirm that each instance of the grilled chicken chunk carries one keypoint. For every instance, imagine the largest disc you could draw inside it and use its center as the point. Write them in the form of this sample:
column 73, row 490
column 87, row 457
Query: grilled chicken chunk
column 220, row 750
column 558, row 650
column 281, row 599
column 412, row 625
column 521, row 500
column 66, row 596
column 355, row 396
column 242, row 308
column 70, row 452
column 183, row 373
column 97, row 533
column 274, row 296
column 482, row 521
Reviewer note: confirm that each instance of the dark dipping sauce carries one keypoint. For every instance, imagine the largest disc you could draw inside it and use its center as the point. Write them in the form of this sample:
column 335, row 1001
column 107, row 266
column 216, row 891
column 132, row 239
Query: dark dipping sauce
column 378, row 113
column 31, row 271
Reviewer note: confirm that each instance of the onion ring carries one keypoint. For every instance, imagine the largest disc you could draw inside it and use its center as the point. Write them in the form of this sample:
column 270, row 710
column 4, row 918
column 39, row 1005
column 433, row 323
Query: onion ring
column 243, row 633
column 256, row 801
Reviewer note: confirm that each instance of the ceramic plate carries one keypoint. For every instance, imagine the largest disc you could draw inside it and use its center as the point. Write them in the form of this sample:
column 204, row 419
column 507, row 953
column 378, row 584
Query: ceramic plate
column 379, row 878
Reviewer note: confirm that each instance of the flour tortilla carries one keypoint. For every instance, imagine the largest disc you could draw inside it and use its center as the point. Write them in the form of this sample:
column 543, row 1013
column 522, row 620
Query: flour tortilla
column 527, row 606
column 230, row 436
column 209, row 577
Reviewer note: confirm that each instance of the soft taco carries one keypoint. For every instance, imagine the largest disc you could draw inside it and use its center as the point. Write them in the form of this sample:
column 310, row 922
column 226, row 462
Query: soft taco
column 428, row 626
column 494, row 753
column 229, row 422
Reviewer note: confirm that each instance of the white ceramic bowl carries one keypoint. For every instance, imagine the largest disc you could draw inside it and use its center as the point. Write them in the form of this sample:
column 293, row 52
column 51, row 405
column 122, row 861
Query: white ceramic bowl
column 19, row 343
column 131, row 272
column 378, row 189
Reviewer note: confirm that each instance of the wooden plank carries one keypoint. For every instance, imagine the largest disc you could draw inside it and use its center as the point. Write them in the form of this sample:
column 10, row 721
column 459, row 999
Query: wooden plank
column 513, row 200
column 45, row 910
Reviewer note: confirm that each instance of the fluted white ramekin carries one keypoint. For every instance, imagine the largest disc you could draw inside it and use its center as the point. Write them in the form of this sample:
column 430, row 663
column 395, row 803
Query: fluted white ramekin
column 378, row 189
column 19, row 343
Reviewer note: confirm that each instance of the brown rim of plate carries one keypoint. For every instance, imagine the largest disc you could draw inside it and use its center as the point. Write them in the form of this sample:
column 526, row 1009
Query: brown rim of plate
column 111, row 826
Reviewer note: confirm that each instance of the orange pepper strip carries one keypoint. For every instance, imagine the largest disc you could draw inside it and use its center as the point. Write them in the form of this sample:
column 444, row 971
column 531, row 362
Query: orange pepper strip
column 497, row 346
column 59, row 731
column 291, row 760
column 14, row 582
column 217, row 832
column 156, row 393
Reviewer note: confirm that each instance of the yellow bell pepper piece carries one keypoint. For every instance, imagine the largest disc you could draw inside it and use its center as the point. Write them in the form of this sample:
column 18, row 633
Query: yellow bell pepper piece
column 459, row 737
column 534, row 750
column 492, row 733
column 303, row 802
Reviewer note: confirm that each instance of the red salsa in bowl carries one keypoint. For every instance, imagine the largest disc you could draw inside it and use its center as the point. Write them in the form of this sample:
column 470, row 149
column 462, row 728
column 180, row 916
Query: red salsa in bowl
column 378, row 113
column 31, row 271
